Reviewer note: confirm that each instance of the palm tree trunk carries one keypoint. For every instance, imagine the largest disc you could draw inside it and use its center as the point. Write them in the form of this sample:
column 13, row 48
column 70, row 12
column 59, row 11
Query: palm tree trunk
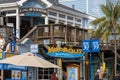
column 115, row 51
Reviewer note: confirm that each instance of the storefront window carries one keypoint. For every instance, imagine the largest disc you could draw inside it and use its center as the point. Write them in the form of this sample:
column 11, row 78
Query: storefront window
column 7, row 74
column 45, row 73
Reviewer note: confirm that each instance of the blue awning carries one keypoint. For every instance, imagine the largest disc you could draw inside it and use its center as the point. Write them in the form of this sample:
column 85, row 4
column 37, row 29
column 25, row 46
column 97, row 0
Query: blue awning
column 11, row 67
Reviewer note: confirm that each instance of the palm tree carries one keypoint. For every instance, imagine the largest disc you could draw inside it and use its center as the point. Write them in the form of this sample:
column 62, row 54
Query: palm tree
column 109, row 24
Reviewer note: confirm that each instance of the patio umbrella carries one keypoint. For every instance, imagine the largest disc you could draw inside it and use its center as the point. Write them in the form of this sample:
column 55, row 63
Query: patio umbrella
column 28, row 59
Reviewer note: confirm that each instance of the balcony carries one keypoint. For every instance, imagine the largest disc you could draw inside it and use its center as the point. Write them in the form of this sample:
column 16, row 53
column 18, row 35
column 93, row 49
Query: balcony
column 63, row 33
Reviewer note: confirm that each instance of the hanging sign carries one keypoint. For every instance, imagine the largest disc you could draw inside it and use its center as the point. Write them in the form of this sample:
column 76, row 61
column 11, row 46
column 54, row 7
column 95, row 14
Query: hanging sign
column 34, row 48
column 91, row 46
column 65, row 52
column 12, row 46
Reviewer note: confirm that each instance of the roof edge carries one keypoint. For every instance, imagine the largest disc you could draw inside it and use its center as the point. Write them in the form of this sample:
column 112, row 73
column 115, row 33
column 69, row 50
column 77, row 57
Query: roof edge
column 8, row 4
column 20, row 3
column 47, row 2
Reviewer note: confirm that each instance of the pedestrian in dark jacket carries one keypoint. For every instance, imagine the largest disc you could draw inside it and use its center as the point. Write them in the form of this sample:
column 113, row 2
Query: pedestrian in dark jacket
column 96, row 77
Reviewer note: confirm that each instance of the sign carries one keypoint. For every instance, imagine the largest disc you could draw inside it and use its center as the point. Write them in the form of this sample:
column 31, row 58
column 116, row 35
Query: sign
column 24, row 75
column 91, row 45
column 39, row 10
column 46, row 41
column 95, row 44
column 64, row 52
column 86, row 46
column 32, row 14
column 13, row 67
column 1, row 54
column 34, row 48
column 16, row 74
column 10, row 24
column 72, row 73
column 12, row 46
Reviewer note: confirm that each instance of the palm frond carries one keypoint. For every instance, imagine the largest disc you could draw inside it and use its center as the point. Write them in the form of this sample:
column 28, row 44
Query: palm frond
column 109, row 22
column 97, row 21
column 118, row 29
column 105, row 35
column 106, row 10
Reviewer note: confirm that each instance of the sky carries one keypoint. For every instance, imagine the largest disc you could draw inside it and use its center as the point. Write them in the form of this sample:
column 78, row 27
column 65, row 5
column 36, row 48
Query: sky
column 93, row 7
column 65, row 0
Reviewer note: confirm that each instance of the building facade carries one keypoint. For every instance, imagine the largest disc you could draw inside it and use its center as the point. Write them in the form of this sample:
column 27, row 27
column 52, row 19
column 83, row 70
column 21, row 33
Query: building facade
column 64, row 24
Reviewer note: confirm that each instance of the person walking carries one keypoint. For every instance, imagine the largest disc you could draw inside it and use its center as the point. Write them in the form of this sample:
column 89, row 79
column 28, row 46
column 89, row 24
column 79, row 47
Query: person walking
column 53, row 76
column 97, row 75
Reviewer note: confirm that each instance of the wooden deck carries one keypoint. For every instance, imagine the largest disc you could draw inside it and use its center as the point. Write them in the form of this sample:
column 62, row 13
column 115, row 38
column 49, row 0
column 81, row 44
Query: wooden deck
column 57, row 32
column 63, row 33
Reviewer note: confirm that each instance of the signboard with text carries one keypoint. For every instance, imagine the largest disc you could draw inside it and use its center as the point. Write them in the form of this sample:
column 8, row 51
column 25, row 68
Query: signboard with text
column 91, row 46
column 1, row 54
column 65, row 52
column 34, row 48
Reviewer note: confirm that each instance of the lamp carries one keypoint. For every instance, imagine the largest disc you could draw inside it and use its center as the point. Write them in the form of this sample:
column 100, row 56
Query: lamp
column 90, row 31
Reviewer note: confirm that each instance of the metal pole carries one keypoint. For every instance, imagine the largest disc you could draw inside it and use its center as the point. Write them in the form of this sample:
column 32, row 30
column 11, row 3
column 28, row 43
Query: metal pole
column 90, row 65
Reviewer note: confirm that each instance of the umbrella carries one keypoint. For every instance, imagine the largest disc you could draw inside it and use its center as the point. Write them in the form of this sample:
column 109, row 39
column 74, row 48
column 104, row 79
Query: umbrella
column 28, row 59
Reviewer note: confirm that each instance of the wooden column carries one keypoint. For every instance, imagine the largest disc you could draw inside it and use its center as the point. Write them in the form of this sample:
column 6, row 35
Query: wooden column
column 51, row 32
column 66, row 33
column 75, row 36
column 2, row 74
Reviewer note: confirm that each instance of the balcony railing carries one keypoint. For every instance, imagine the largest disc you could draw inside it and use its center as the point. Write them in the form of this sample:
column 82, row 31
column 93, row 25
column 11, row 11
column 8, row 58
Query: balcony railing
column 63, row 33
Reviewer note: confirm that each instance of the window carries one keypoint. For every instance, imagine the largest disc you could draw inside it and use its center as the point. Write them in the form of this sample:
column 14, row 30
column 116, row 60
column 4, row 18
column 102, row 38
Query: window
column 45, row 73
column 78, row 20
column 61, row 16
column 69, row 18
column 52, row 13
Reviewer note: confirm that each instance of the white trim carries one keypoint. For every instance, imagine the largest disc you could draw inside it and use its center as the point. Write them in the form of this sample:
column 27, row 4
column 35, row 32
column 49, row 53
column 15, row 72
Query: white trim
column 14, row 14
column 13, row 4
column 21, row 2
column 7, row 9
column 8, row 5
column 47, row 2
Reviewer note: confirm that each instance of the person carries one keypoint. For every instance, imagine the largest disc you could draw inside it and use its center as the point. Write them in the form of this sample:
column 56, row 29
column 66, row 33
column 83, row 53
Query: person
column 101, row 73
column 53, row 76
column 2, row 42
column 117, row 77
column 104, row 76
column 97, row 75
column 12, row 37
column 64, row 75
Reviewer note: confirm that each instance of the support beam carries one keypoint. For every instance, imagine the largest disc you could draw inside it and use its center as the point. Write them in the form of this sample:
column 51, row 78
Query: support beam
column 17, row 23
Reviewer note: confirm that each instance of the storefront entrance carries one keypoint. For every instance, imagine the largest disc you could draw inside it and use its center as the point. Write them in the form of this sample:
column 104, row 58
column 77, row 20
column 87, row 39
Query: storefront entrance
column 71, row 70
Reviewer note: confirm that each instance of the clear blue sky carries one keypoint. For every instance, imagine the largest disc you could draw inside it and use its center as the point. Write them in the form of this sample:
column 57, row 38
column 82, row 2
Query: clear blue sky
column 81, row 5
